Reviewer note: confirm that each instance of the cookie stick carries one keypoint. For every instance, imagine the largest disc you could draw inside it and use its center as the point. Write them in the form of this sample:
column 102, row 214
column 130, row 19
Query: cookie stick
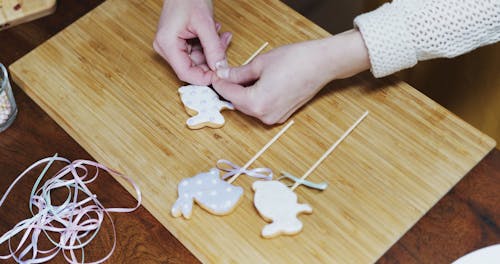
column 195, row 99
column 255, row 54
column 329, row 151
column 211, row 192
column 277, row 203
column 282, row 131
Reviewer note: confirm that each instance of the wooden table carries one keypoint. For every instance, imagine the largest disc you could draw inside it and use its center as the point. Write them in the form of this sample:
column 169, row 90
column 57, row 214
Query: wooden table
column 467, row 218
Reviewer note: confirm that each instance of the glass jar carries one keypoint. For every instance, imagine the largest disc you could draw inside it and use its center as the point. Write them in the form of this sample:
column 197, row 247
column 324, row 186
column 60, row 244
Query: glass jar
column 8, row 108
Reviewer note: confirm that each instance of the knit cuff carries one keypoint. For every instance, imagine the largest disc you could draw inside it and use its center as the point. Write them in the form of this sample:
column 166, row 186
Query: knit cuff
column 387, row 38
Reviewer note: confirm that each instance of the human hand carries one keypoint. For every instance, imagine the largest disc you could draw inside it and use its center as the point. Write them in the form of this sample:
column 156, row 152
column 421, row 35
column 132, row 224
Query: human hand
column 284, row 79
column 187, row 38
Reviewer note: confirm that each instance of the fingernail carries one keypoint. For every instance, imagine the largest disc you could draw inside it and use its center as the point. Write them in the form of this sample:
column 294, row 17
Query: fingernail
column 222, row 64
column 223, row 73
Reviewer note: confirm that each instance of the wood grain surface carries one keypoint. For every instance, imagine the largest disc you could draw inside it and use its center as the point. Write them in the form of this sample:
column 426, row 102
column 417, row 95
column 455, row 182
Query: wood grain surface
column 466, row 219
column 15, row 12
column 34, row 135
column 36, row 125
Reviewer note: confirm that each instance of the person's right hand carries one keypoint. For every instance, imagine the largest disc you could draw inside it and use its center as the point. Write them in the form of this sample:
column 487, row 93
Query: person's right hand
column 277, row 83
column 187, row 38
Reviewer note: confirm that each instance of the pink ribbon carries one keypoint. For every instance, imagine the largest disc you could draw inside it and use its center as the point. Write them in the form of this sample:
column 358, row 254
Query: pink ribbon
column 261, row 173
column 69, row 226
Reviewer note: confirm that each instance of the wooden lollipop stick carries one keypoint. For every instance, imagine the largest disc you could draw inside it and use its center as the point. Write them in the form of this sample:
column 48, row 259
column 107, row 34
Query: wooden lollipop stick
column 255, row 54
column 330, row 150
column 283, row 130
column 252, row 160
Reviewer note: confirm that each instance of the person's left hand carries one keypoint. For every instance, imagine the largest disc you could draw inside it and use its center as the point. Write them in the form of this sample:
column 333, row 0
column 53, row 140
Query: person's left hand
column 284, row 79
column 188, row 39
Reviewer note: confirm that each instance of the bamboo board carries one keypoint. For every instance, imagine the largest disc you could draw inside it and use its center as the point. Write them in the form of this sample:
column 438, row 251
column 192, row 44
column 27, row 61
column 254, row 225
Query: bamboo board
column 102, row 82
column 14, row 12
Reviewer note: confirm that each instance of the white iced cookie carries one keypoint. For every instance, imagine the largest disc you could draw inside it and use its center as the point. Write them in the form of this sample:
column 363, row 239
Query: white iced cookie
column 276, row 203
column 209, row 191
column 204, row 106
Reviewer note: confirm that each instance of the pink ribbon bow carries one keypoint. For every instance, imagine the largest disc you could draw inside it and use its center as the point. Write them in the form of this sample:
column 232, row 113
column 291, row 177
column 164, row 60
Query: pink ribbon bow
column 261, row 173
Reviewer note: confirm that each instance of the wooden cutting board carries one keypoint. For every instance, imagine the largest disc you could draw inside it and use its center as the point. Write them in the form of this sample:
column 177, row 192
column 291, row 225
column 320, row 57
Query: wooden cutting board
column 102, row 82
column 14, row 12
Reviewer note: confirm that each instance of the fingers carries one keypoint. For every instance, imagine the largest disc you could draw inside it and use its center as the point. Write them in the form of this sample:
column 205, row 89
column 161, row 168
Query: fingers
column 226, row 38
column 243, row 98
column 213, row 47
column 243, row 74
column 247, row 100
column 252, row 100
column 238, row 95
column 180, row 23
column 189, row 61
column 197, row 55
column 182, row 64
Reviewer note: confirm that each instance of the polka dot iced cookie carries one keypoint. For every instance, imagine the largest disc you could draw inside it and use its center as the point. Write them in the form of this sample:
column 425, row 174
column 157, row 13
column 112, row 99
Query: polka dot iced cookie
column 204, row 105
column 209, row 191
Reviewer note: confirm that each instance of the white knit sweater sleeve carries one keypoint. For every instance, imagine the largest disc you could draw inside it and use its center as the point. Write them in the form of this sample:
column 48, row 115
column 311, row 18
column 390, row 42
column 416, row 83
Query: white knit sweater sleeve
column 400, row 33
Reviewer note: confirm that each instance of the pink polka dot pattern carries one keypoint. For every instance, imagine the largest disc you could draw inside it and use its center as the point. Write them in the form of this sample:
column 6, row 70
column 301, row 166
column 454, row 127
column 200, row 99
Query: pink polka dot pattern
column 209, row 191
column 204, row 105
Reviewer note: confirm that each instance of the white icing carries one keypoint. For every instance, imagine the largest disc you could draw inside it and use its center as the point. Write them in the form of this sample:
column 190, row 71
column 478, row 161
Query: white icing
column 205, row 102
column 213, row 197
column 276, row 202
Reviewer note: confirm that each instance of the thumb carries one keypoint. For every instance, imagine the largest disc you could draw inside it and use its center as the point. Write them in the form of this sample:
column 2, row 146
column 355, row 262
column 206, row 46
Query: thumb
column 238, row 95
column 213, row 47
column 243, row 74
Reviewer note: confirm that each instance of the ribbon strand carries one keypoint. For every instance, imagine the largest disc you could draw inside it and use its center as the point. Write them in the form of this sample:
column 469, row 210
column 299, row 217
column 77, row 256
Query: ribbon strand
column 233, row 169
column 69, row 226
column 262, row 150
column 318, row 186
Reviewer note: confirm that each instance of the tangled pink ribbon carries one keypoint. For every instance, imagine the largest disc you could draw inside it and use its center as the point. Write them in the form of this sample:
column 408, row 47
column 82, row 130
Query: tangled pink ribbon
column 69, row 226
column 261, row 173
